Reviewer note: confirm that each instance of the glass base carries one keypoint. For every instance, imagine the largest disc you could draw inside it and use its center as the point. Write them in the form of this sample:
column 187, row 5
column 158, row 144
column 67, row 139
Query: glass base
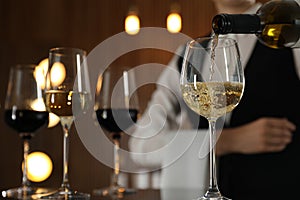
column 67, row 194
column 26, row 192
column 114, row 191
column 213, row 198
column 213, row 194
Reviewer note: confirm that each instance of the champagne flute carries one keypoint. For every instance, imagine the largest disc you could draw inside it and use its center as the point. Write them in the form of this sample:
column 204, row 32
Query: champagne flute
column 116, row 108
column 25, row 112
column 212, row 84
column 67, row 94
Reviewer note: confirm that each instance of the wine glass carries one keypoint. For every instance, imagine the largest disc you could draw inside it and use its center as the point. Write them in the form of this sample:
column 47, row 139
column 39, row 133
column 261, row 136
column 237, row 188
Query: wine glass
column 25, row 112
column 116, row 109
column 212, row 84
column 67, row 94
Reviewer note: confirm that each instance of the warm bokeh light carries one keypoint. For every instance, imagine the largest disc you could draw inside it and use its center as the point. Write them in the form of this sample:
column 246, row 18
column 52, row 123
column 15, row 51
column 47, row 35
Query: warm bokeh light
column 174, row 23
column 44, row 65
column 39, row 166
column 132, row 24
column 99, row 84
column 57, row 74
column 39, row 77
column 39, row 105
column 40, row 72
column 53, row 120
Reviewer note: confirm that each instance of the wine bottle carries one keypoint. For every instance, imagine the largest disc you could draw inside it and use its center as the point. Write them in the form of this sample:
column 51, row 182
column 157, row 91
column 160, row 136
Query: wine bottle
column 276, row 24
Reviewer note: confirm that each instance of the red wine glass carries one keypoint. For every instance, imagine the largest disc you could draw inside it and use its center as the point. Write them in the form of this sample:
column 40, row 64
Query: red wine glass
column 116, row 109
column 25, row 113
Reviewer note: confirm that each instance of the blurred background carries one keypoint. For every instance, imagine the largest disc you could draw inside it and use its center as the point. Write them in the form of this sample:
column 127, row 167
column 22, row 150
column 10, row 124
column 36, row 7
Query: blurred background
column 29, row 28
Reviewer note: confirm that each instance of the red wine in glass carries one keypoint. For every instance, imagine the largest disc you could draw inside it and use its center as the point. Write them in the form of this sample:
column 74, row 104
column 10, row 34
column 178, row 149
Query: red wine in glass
column 22, row 115
column 116, row 120
column 116, row 110
column 26, row 121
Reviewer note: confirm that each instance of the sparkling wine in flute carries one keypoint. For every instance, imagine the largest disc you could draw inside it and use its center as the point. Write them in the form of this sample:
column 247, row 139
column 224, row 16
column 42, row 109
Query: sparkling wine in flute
column 62, row 103
column 212, row 99
column 67, row 94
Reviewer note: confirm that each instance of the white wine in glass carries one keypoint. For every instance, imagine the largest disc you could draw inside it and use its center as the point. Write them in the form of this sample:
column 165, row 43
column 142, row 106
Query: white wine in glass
column 67, row 94
column 212, row 84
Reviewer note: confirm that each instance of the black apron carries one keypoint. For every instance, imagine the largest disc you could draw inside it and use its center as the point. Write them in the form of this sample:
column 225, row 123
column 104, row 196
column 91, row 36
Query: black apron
column 272, row 89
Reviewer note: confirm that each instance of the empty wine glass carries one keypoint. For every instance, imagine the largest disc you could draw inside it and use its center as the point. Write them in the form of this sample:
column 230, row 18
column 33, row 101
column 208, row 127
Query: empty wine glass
column 25, row 112
column 67, row 93
column 212, row 84
column 116, row 109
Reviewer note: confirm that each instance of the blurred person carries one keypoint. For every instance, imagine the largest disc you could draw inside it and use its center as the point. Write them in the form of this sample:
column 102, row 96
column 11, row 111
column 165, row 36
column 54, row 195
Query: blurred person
column 259, row 144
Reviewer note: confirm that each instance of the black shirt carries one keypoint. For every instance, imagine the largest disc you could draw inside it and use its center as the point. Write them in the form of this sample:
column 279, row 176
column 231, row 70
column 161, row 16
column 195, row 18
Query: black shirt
column 272, row 89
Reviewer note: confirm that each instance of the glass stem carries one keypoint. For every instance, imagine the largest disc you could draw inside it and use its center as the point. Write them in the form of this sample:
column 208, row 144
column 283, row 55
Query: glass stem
column 25, row 182
column 115, row 176
column 66, row 123
column 213, row 190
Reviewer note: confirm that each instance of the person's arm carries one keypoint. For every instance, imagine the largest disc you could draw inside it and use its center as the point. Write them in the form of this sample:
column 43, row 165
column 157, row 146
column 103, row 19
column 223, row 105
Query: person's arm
column 260, row 136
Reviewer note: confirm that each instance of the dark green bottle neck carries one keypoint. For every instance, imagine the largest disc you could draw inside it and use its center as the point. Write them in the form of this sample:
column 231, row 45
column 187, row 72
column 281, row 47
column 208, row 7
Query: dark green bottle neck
column 236, row 23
